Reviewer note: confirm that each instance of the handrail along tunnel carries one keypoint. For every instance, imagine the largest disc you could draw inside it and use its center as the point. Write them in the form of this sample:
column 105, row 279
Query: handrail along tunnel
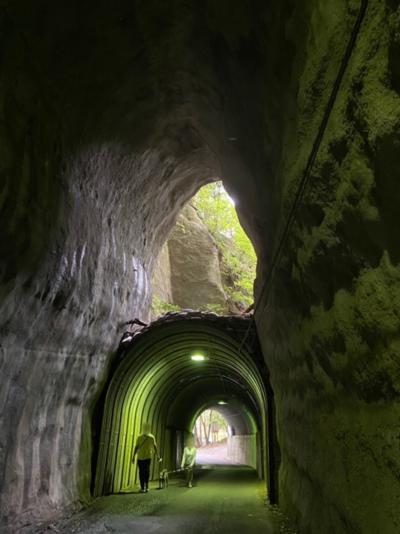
column 157, row 381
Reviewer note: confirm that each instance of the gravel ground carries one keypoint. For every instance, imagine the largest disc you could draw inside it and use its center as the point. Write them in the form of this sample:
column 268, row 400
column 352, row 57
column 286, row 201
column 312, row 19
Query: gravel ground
column 223, row 500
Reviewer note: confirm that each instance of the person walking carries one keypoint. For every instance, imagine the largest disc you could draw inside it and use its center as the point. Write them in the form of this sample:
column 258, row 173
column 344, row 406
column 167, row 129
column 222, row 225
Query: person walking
column 145, row 447
column 188, row 460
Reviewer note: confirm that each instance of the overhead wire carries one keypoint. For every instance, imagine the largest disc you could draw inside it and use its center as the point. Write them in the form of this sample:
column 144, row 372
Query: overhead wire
column 266, row 287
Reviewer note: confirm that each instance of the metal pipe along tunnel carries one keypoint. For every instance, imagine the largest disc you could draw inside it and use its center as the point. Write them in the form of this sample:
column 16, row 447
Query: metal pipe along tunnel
column 157, row 381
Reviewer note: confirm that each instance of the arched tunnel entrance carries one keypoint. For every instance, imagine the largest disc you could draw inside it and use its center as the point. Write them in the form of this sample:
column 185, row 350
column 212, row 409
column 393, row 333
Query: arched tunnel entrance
column 173, row 370
column 226, row 435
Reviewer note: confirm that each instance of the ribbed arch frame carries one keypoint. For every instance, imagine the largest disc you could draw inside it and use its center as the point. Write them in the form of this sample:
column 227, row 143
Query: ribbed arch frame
column 158, row 382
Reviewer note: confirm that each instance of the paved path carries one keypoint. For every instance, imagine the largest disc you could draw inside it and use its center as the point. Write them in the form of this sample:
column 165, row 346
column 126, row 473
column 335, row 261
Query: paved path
column 216, row 454
column 224, row 500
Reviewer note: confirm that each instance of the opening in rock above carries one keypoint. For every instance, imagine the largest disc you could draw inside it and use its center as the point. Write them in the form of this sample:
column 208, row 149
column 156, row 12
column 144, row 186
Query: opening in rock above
column 208, row 262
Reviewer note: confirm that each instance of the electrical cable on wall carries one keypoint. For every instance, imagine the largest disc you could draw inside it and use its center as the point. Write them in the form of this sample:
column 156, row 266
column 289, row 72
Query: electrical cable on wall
column 266, row 288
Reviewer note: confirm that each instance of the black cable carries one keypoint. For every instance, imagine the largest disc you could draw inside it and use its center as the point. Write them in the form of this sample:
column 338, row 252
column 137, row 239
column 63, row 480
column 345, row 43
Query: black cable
column 265, row 290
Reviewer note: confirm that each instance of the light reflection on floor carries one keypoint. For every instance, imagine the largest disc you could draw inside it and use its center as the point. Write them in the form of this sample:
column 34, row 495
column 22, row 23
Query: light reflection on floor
column 215, row 454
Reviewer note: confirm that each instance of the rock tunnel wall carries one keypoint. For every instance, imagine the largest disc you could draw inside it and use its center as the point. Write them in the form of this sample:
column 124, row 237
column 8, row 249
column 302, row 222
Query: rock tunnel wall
column 331, row 328
column 78, row 240
column 188, row 271
column 109, row 123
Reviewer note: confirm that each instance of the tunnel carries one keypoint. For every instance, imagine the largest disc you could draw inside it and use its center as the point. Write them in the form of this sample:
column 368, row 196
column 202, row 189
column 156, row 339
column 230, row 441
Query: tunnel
column 113, row 115
column 157, row 381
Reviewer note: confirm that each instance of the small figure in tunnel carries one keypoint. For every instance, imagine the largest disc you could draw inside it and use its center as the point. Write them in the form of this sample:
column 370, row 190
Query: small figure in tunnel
column 145, row 447
column 188, row 460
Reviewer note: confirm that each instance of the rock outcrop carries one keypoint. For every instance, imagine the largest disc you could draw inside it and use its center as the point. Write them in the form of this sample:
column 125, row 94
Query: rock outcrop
column 189, row 266
column 161, row 282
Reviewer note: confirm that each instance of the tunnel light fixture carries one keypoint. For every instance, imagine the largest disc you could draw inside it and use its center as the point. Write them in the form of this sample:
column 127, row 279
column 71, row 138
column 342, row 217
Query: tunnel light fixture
column 222, row 403
column 197, row 357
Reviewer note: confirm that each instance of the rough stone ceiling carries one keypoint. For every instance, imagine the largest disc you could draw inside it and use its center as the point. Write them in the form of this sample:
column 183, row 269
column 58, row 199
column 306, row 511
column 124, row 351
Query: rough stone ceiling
column 112, row 121
column 111, row 118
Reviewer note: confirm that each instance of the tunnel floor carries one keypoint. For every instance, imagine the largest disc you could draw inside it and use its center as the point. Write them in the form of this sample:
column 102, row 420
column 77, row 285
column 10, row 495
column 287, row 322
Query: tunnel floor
column 216, row 454
column 224, row 499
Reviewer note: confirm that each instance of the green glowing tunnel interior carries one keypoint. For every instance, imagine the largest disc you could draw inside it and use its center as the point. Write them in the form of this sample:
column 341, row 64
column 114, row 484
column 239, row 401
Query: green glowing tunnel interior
column 158, row 382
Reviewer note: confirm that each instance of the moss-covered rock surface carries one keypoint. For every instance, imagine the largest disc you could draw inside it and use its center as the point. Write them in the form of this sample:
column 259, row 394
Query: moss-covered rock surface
column 331, row 327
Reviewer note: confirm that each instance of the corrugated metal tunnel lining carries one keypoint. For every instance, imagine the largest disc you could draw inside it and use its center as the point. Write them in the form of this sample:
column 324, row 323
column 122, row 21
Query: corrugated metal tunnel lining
column 157, row 381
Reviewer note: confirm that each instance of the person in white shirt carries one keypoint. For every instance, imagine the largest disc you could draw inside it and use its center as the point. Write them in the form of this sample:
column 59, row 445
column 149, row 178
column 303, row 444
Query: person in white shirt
column 188, row 460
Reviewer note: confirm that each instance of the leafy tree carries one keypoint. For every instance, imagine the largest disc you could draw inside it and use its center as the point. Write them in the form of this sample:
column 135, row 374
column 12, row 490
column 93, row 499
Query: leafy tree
column 204, row 429
column 160, row 307
column 238, row 259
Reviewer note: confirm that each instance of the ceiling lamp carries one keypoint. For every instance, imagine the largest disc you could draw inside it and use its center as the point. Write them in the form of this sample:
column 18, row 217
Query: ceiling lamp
column 197, row 357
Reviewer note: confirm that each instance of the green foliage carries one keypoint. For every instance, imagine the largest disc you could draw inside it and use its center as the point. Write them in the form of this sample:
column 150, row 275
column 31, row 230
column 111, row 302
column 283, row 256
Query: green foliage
column 216, row 308
column 210, row 427
column 238, row 259
column 161, row 307
column 217, row 417
column 214, row 416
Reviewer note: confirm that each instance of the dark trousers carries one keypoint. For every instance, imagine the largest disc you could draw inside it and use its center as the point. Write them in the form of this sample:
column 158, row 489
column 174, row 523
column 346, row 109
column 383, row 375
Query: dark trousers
column 189, row 475
column 144, row 473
